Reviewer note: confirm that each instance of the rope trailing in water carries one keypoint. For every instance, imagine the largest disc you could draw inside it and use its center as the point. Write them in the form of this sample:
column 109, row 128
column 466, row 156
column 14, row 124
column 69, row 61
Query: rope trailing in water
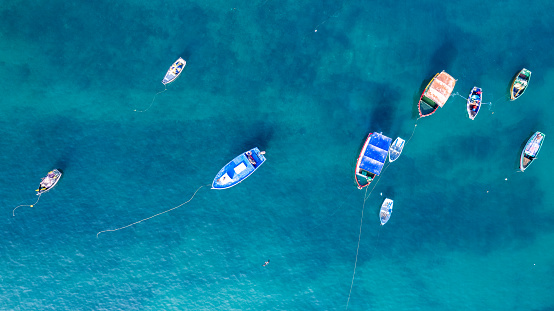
column 358, row 248
column 413, row 132
column 335, row 14
column 13, row 212
column 165, row 89
column 111, row 230
column 458, row 94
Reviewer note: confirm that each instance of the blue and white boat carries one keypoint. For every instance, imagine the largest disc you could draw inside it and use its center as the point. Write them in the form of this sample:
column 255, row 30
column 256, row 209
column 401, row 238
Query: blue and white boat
column 531, row 150
column 239, row 169
column 371, row 159
column 174, row 71
column 474, row 102
column 396, row 149
column 386, row 210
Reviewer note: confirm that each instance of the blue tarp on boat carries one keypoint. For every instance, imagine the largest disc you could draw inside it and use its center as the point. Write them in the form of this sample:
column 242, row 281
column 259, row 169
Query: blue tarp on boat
column 375, row 154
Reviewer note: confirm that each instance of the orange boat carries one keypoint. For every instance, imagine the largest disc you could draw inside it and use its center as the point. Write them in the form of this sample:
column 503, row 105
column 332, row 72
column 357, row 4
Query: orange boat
column 436, row 94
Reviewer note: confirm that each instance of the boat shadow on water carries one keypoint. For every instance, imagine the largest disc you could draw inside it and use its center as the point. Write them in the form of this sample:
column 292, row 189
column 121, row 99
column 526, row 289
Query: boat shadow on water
column 381, row 120
column 261, row 136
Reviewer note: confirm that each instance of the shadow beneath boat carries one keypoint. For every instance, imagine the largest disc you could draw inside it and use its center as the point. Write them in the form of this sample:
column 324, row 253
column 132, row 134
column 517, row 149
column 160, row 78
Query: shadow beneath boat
column 443, row 57
column 261, row 138
column 382, row 115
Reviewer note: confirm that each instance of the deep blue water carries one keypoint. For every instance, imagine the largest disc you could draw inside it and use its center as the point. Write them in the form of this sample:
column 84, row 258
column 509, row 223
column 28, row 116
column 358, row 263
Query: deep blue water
column 461, row 236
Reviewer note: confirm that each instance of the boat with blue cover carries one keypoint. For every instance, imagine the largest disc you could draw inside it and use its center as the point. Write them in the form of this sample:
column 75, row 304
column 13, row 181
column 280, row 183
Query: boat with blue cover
column 386, row 210
column 396, row 149
column 239, row 169
column 49, row 181
column 174, row 71
column 531, row 150
column 474, row 101
column 371, row 159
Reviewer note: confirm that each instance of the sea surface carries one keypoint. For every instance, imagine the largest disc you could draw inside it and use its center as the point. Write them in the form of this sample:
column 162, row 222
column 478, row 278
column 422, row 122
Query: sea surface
column 306, row 81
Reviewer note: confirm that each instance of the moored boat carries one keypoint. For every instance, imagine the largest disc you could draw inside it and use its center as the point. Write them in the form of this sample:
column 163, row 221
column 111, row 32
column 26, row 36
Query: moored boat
column 436, row 94
column 371, row 159
column 174, row 71
column 519, row 85
column 531, row 150
column 396, row 149
column 239, row 169
column 386, row 210
column 474, row 101
column 49, row 181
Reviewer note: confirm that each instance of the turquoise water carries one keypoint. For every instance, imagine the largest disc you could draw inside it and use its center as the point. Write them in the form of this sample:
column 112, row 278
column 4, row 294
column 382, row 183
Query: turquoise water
column 461, row 236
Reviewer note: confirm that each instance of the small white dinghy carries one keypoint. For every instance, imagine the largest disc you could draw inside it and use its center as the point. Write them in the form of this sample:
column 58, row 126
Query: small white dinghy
column 386, row 210
column 49, row 181
column 396, row 149
column 174, row 71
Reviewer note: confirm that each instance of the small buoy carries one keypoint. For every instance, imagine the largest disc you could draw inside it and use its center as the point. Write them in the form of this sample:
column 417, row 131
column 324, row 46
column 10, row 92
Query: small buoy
column 30, row 205
column 381, row 193
column 487, row 191
column 505, row 178
column 315, row 30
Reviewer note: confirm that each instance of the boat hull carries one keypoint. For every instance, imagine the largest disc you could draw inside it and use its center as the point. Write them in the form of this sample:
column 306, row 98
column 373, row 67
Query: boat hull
column 531, row 150
column 174, row 71
column 474, row 101
column 520, row 83
column 433, row 109
column 240, row 168
column 49, row 182
column 396, row 149
column 361, row 180
column 436, row 94
column 386, row 211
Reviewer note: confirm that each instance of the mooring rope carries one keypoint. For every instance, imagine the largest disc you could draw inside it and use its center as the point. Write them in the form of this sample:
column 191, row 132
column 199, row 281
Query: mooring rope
column 111, row 230
column 357, row 249
column 415, row 126
column 13, row 212
column 334, row 14
column 151, row 103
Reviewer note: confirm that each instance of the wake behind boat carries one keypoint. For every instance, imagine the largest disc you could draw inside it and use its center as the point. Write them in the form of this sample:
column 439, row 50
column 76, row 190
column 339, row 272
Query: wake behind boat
column 49, row 181
column 396, row 149
column 519, row 85
column 239, row 169
column 386, row 210
column 174, row 71
column 371, row 159
column 436, row 94
column 474, row 101
column 531, row 150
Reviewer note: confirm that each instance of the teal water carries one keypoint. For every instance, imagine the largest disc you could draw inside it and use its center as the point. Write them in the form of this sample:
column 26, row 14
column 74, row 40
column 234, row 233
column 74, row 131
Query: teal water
column 461, row 237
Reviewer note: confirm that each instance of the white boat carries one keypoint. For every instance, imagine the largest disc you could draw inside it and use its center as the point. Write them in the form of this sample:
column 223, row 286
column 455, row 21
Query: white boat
column 174, row 71
column 49, row 181
column 396, row 149
column 386, row 210
column 531, row 150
